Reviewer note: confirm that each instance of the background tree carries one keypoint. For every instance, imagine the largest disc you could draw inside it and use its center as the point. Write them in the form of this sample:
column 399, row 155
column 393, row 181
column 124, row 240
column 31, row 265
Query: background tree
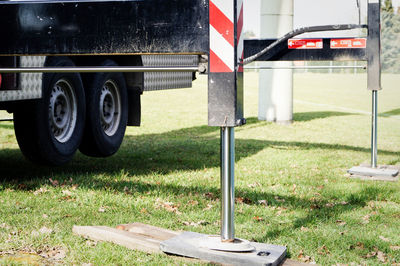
column 388, row 6
column 390, row 38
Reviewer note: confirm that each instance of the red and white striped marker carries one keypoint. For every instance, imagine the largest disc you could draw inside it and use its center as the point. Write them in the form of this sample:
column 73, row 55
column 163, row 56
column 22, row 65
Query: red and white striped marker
column 225, row 75
column 226, row 40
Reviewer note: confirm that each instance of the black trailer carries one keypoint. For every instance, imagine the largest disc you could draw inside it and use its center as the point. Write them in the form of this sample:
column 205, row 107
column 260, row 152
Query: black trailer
column 61, row 100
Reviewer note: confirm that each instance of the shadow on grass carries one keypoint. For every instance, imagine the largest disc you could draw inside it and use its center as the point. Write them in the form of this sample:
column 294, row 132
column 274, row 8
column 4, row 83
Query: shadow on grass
column 177, row 150
column 328, row 214
column 391, row 112
column 308, row 116
column 6, row 126
column 317, row 211
column 182, row 150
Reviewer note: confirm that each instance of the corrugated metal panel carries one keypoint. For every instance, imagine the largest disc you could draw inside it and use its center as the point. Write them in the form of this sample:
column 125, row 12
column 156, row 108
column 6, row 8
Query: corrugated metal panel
column 30, row 83
column 168, row 80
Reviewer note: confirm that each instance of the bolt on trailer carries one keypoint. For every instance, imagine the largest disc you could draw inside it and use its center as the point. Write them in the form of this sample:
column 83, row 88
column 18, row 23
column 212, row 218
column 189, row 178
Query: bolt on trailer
column 72, row 72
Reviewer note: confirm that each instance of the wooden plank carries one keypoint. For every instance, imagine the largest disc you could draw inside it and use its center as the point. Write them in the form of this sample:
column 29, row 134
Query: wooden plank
column 148, row 231
column 146, row 241
column 119, row 237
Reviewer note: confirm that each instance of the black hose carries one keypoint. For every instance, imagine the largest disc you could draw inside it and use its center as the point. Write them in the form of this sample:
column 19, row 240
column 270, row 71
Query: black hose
column 301, row 31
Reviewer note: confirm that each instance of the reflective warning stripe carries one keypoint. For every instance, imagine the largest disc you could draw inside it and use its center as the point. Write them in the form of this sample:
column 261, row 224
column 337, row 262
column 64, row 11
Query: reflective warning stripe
column 222, row 35
column 222, row 24
column 221, row 53
column 226, row 7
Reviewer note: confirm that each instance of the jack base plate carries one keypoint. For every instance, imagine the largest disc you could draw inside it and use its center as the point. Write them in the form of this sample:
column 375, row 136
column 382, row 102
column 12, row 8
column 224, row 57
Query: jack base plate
column 381, row 173
column 190, row 244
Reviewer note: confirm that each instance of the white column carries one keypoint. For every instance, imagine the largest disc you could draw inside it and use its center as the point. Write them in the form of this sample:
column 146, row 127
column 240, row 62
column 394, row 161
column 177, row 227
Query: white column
column 276, row 86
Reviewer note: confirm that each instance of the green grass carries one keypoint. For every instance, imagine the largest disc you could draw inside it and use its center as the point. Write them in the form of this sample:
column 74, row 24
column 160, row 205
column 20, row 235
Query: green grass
column 299, row 171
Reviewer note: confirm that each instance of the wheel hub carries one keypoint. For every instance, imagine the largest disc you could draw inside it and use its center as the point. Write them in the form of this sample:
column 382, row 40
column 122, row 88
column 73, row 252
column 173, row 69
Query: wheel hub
column 110, row 108
column 62, row 110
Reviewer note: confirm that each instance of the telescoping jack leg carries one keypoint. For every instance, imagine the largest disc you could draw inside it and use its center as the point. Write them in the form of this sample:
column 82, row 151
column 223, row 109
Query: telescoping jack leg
column 227, row 184
column 373, row 171
column 227, row 240
column 374, row 131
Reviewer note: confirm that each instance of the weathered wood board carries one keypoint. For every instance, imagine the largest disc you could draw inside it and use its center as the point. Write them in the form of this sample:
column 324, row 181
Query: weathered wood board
column 138, row 236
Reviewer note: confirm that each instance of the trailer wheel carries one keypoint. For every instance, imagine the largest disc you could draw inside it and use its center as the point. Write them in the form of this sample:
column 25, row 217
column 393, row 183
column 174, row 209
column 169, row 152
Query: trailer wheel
column 107, row 109
column 50, row 130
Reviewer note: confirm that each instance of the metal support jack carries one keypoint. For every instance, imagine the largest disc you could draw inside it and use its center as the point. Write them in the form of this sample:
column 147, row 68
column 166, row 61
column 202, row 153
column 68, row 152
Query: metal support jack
column 373, row 171
column 227, row 183
column 225, row 110
column 225, row 248
column 281, row 50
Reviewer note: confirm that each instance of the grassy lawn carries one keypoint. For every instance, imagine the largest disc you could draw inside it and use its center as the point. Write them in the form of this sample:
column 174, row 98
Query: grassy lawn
column 291, row 182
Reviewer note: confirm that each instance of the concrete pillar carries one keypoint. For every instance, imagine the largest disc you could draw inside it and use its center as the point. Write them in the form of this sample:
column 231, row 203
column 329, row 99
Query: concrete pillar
column 276, row 86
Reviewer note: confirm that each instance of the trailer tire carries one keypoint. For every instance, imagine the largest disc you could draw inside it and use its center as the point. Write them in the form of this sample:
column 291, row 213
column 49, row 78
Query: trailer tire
column 50, row 130
column 107, row 109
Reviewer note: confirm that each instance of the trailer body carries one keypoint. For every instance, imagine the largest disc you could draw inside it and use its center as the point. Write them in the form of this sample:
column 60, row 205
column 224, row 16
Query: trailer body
column 133, row 33
column 126, row 29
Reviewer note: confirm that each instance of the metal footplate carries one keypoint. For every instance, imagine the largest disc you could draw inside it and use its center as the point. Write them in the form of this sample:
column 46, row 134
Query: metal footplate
column 380, row 173
column 194, row 245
